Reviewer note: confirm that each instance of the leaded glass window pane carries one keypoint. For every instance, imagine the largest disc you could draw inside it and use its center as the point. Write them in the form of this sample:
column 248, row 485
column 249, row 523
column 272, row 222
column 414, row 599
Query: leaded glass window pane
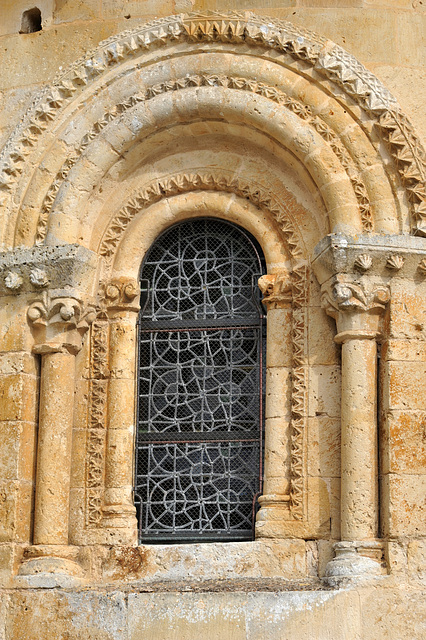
column 200, row 384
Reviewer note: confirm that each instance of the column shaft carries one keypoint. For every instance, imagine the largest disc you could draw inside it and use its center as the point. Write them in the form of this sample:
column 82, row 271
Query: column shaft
column 119, row 510
column 54, row 448
column 359, row 484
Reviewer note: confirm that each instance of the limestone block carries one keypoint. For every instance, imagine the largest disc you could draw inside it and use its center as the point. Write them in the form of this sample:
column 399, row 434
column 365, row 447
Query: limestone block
column 411, row 28
column 319, row 506
column 214, row 561
column 404, row 386
column 17, row 450
column 277, row 452
column 407, row 317
column 324, row 447
column 7, row 568
column 324, row 390
column 15, row 334
column 70, row 10
column 396, row 556
column 58, row 614
column 278, row 346
column 386, row 614
column 4, row 602
column 404, row 505
column 18, row 362
column 404, row 350
column 79, row 452
column 296, row 615
column 24, row 511
column 325, row 554
column 240, row 616
column 8, row 501
column 12, row 11
column 18, row 397
column 9, row 449
column 136, row 8
column 404, row 446
column 172, row 616
column 278, row 388
column 15, row 510
column 371, row 39
column 321, row 332
column 416, row 554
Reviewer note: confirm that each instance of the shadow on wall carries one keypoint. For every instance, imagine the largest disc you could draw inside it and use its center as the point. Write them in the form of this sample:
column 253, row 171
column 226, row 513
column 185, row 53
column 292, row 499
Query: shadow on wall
column 31, row 21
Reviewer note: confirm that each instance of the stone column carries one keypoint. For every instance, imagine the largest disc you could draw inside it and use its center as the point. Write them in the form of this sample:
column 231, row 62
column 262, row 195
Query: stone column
column 357, row 309
column 119, row 513
column 275, row 499
column 58, row 325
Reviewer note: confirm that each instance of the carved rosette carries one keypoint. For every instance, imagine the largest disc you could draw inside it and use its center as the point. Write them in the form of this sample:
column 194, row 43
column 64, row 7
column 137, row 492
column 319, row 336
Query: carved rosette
column 59, row 322
column 356, row 307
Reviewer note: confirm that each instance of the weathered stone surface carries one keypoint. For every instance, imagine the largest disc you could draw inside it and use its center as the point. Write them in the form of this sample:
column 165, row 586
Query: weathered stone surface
column 41, row 613
column 259, row 122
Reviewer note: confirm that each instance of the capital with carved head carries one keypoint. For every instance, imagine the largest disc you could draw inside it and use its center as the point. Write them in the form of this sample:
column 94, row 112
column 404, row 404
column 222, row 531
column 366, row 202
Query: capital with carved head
column 276, row 290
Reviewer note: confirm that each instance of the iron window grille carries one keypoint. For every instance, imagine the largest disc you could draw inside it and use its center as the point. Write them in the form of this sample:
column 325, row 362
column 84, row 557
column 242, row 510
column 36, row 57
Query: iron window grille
column 199, row 445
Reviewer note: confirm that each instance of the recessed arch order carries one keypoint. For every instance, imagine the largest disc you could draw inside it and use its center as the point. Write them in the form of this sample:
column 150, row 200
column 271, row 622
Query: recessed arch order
column 243, row 103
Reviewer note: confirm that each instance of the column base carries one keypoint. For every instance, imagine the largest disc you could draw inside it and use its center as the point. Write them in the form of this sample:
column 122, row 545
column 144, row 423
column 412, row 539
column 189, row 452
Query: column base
column 355, row 561
column 50, row 566
column 122, row 516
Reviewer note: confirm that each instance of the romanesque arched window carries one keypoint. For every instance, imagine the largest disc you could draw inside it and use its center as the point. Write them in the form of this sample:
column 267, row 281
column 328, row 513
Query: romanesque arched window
column 200, row 384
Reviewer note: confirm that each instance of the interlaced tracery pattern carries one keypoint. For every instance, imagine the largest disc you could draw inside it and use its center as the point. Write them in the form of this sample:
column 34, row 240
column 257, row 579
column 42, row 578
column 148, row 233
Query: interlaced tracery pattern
column 200, row 384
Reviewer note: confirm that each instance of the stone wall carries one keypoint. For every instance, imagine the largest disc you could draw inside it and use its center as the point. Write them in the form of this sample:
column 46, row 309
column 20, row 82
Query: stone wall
column 110, row 131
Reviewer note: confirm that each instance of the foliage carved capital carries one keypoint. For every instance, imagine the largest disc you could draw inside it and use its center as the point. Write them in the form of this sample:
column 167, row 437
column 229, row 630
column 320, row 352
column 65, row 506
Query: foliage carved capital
column 356, row 307
column 59, row 322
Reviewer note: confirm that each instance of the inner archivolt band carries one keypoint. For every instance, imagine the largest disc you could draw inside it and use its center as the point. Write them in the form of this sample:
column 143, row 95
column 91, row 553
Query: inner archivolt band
column 200, row 385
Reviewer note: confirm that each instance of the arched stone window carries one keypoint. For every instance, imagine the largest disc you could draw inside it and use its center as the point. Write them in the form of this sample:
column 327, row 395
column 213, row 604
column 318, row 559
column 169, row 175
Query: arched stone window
column 200, row 384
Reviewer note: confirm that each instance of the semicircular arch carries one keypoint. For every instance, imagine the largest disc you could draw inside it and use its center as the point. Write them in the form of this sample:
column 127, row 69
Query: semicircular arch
column 345, row 110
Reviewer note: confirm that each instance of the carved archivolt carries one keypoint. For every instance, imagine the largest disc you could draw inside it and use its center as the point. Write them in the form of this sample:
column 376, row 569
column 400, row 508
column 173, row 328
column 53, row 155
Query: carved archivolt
column 328, row 59
column 222, row 180
column 304, row 112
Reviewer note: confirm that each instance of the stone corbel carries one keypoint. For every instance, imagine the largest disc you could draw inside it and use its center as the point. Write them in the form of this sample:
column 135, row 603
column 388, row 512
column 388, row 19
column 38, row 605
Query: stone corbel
column 276, row 289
